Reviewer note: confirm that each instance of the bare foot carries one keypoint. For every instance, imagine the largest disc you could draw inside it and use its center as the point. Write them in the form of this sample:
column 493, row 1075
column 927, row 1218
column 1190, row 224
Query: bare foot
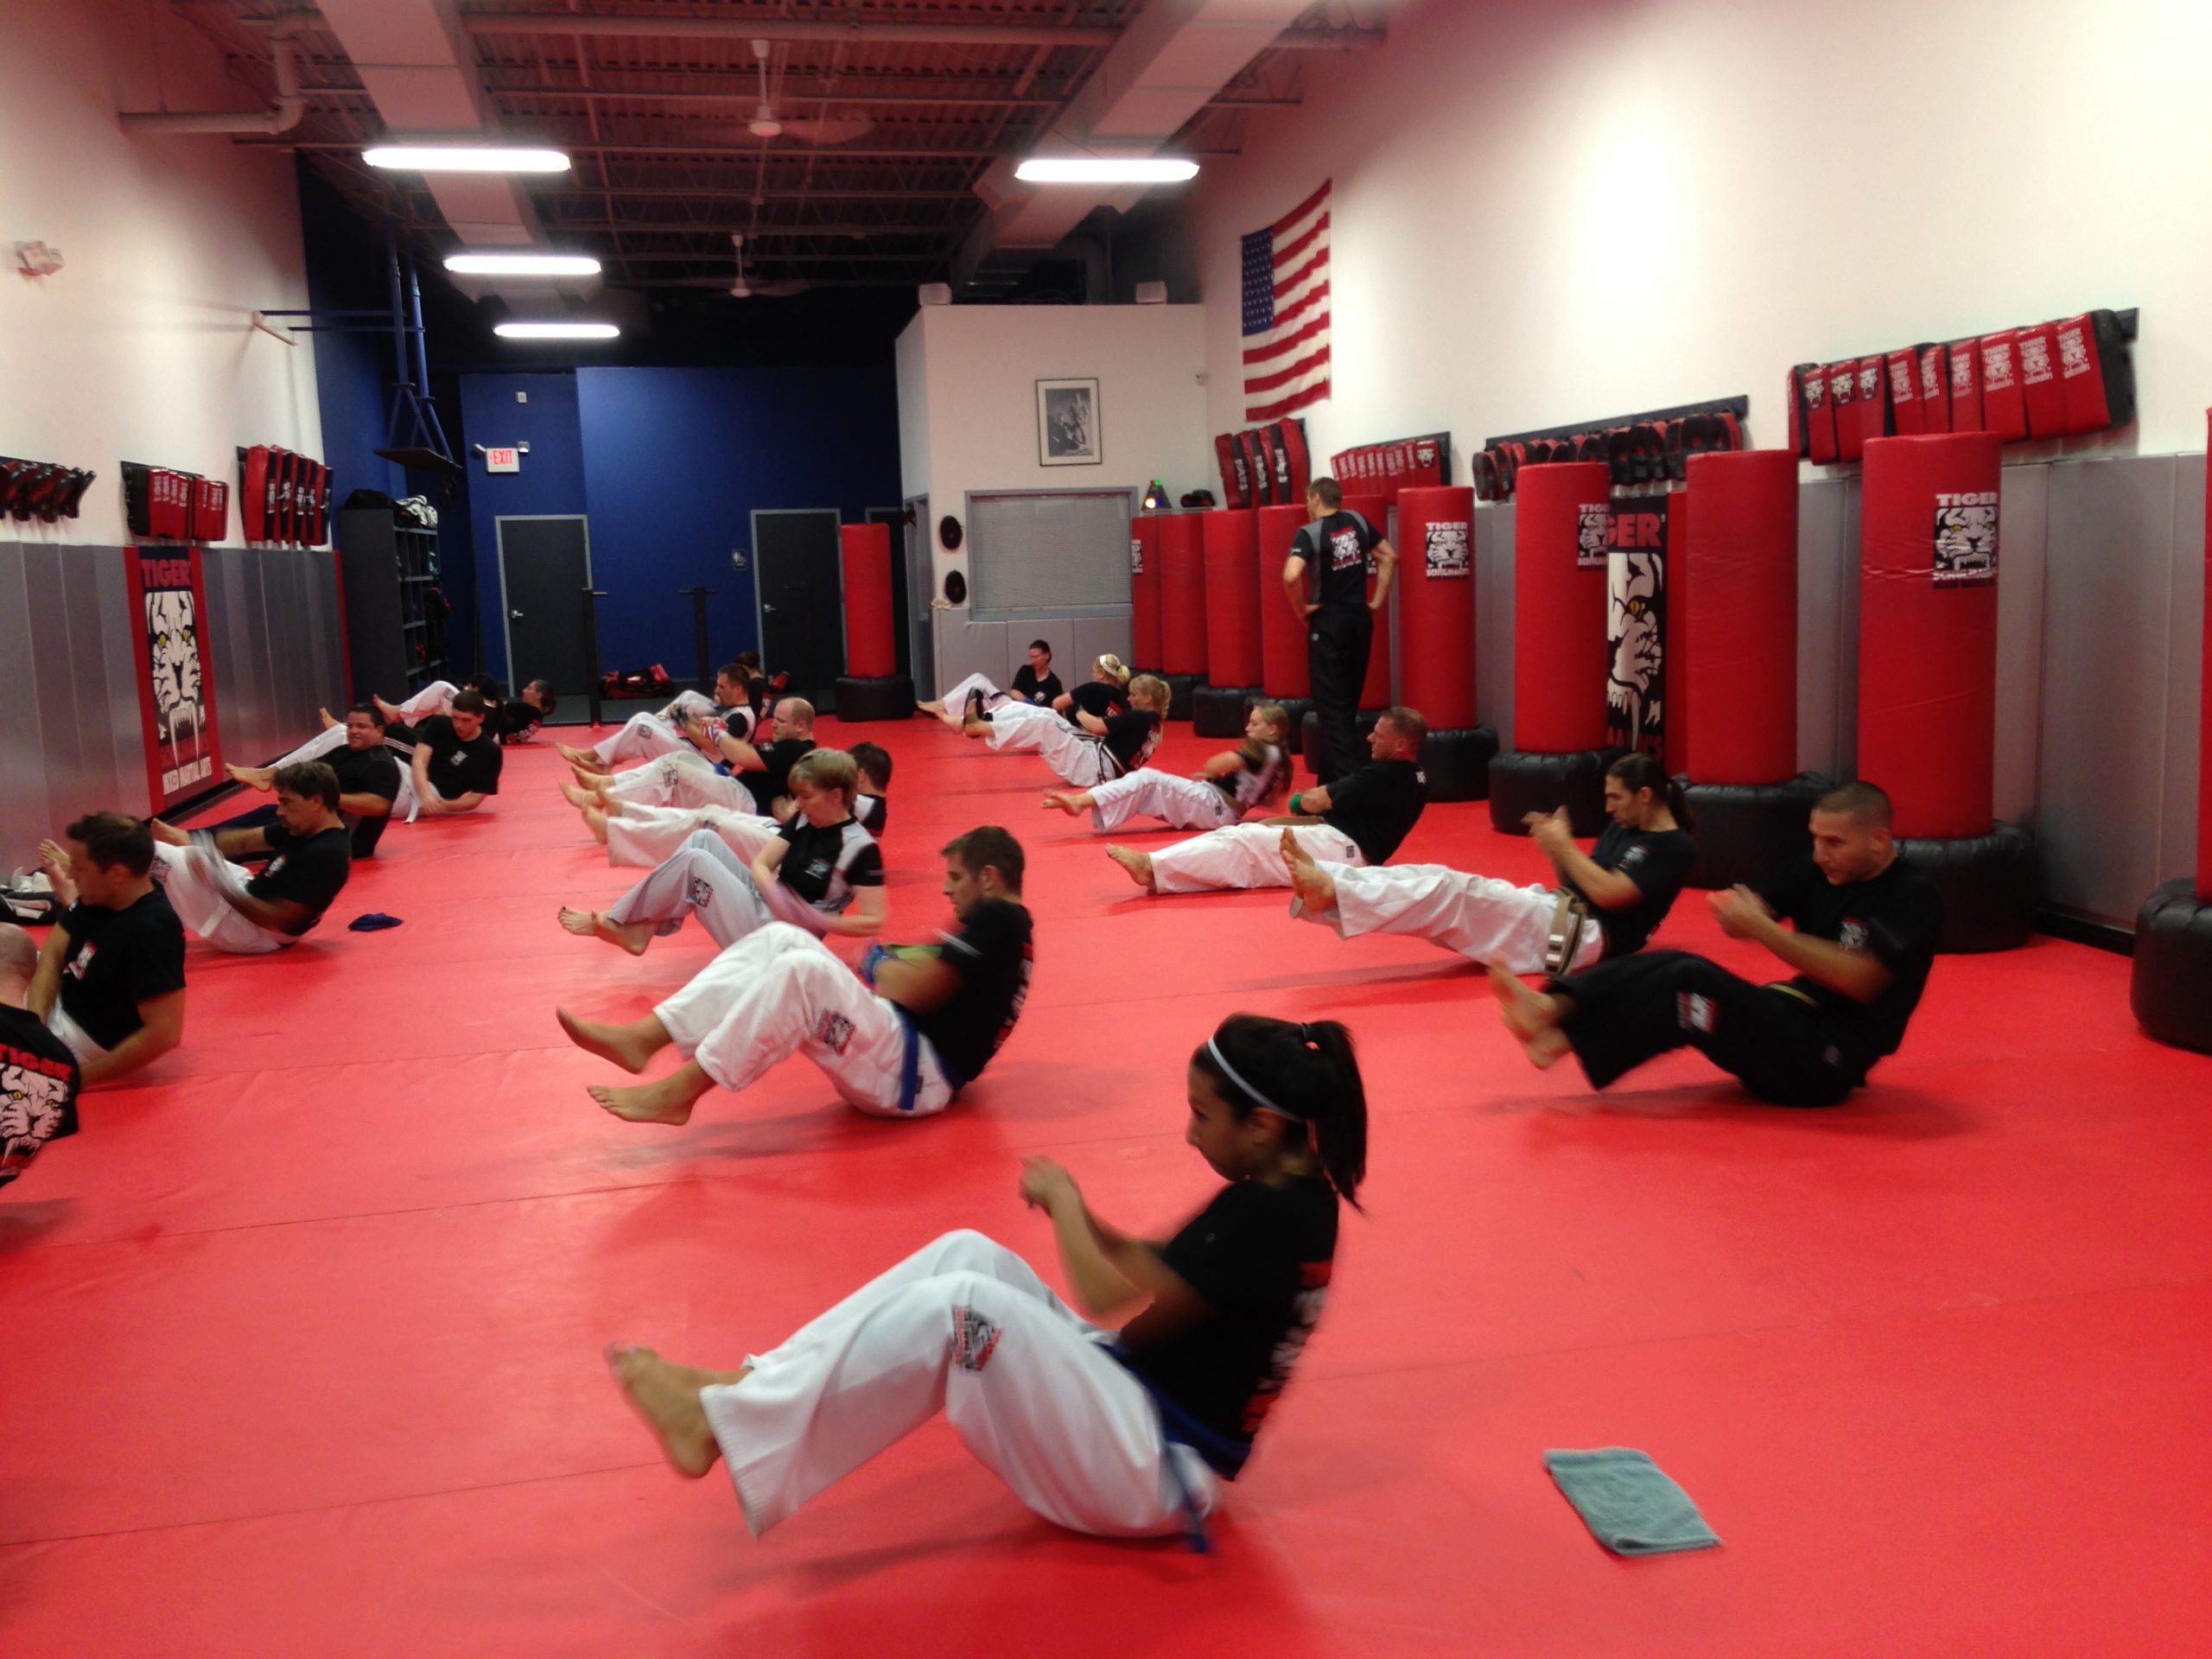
column 579, row 796
column 391, row 711
column 1315, row 887
column 1073, row 802
column 930, row 706
column 595, row 821
column 1139, row 865
column 628, row 1046
column 667, row 1397
column 1531, row 1016
column 330, row 720
column 666, row 1100
column 167, row 832
column 633, row 936
column 577, row 757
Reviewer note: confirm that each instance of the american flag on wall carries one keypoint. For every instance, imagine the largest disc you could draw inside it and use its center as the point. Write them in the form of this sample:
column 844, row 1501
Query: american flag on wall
column 1286, row 311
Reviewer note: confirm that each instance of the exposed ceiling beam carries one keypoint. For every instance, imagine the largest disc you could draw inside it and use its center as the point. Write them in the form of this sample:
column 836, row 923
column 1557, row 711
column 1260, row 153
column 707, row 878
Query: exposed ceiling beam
column 858, row 29
column 648, row 227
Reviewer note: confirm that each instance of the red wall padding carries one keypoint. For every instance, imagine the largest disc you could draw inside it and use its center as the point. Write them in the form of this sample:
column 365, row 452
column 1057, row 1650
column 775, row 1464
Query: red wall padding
column 1376, row 694
column 2204, row 726
column 1232, row 546
column 1282, row 637
column 1182, row 594
column 1436, row 614
column 1736, row 596
column 1559, row 611
column 866, row 553
column 1144, row 592
column 1927, row 647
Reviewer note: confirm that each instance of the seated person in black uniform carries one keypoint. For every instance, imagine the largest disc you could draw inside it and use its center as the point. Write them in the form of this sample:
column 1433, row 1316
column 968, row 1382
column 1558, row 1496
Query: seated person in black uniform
column 38, row 1074
column 1866, row 926
column 871, row 806
column 1106, row 692
column 456, row 763
column 1604, row 903
column 310, row 856
column 765, row 771
column 111, row 976
column 516, row 719
column 368, row 781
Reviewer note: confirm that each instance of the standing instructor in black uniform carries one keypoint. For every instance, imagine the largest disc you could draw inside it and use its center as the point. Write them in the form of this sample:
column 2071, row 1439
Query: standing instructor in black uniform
column 1344, row 549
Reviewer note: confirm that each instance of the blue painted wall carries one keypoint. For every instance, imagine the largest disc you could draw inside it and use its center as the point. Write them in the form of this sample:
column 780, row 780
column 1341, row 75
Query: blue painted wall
column 551, row 480
column 676, row 461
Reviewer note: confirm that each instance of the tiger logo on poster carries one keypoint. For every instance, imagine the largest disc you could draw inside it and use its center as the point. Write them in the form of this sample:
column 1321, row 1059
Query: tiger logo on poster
column 1966, row 538
column 1445, row 549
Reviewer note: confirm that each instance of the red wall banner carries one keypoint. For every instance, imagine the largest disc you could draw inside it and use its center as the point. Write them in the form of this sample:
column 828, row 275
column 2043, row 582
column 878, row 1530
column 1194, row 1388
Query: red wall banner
column 176, row 686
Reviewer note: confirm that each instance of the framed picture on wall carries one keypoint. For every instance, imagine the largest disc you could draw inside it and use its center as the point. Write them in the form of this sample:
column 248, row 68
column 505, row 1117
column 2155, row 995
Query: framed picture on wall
column 1067, row 423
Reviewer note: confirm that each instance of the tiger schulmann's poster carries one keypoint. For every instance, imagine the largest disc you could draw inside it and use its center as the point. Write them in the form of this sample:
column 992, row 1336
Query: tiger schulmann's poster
column 176, row 692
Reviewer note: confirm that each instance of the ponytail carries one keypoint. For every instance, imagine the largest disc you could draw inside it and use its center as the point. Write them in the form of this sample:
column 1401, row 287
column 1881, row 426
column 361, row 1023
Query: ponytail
column 1639, row 772
column 1306, row 1072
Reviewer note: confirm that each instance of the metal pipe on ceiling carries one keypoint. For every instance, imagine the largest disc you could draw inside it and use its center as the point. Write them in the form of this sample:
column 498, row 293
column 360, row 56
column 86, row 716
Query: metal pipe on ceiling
column 859, row 29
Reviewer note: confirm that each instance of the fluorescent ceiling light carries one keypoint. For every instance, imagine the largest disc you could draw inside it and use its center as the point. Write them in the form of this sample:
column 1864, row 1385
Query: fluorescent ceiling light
column 557, row 330
column 1105, row 169
column 522, row 264
column 465, row 158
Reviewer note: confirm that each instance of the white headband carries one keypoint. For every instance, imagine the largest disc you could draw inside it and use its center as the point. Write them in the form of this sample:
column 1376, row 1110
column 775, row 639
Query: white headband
column 1229, row 1071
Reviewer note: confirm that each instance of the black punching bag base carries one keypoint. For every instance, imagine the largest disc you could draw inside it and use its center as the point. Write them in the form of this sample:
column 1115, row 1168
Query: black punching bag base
column 1988, row 884
column 1219, row 710
column 1179, row 689
column 1746, row 832
column 1522, row 782
column 2170, row 985
column 889, row 696
column 1457, row 762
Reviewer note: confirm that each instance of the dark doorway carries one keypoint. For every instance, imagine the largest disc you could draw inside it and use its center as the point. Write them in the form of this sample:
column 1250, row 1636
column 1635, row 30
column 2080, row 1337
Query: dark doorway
column 918, row 585
column 795, row 568
column 894, row 518
column 544, row 566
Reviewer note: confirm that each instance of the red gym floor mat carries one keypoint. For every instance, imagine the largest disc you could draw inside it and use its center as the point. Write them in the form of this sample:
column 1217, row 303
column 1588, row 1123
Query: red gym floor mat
column 304, row 1328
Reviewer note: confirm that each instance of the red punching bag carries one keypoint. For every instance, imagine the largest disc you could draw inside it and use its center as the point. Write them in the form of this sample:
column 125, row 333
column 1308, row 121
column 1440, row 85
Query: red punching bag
column 1436, row 604
column 1559, row 605
column 1376, row 693
column 1283, row 671
column 2205, row 727
column 866, row 556
column 1736, row 596
column 1144, row 591
column 1182, row 594
column 1927, row 629
column 1231, row 541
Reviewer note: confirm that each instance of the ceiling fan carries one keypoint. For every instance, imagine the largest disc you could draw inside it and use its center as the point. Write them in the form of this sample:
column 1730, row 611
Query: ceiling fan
column 745, row 288
column 825, row 129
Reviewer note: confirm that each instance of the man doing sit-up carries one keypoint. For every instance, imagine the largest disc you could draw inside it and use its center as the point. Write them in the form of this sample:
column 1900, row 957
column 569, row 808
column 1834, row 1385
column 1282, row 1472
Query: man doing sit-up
column 1359, row 819
column 1605, row 902
column 370, row 782
column 309, row 858
column 1866, row 923
column 1253, row 774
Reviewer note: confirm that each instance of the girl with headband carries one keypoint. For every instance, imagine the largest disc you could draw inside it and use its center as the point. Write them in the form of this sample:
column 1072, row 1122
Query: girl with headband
column 1122, row 1434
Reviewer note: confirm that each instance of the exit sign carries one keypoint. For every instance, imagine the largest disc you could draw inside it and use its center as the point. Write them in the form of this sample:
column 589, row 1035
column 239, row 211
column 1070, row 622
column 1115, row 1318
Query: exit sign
column 502, row 460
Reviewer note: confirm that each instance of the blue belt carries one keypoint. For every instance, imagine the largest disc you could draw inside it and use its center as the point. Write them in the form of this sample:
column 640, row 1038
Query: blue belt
column 910, row 1069
column 1177, row 1427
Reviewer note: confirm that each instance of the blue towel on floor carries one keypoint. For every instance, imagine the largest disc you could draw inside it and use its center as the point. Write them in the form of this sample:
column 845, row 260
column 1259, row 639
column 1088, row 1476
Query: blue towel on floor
column 371, row 921
column 1628, row 1502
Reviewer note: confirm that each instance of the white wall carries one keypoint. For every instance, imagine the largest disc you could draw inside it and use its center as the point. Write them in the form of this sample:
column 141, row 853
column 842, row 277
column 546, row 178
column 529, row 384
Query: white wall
column 968, row 422
column 1553, row 210
column 140, row 347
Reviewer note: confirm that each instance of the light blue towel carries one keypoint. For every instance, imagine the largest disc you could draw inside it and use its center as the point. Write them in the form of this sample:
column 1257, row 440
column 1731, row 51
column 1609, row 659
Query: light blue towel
column 1628, row 1502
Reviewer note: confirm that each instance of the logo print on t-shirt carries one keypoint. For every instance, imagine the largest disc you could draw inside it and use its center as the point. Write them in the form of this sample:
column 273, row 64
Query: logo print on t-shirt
column 81, row 964
column 1853, row 936
column 1344, row 550
column 275, row 864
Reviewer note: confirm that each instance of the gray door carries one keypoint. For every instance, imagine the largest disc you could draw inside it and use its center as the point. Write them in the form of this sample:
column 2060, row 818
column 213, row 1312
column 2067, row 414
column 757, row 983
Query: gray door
column 544, row 566
column 795, row 579
column 921, row 587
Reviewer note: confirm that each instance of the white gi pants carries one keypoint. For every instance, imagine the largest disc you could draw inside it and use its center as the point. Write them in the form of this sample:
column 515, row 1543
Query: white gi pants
column 1244, row 855
column 330, row 739
column 1483, row 918
column 704, row 878
column 196, row 881
column 962, row 1326
column 779, row 991
column 644, row 835
column 1024, row 728
column 78, row 1039
column 1184, row 803
column 957, row 698
column 643, row 737
column 684, row 777
column 435, row 698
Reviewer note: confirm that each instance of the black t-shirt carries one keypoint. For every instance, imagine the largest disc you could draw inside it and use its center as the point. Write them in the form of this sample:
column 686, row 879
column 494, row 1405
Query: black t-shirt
column 871, row 812
column 1897, row 916
column 1098, row 699
column 774, row 779
column 459, row 767
column 993, row 955
column 1658, row 862
column 1338, row 552
column 310, row 872
column 823, row 866
column 512, row 721
column 1131, row 738
column 366, row 771
column 1030, row 689
column 1378, row 806
column 1257, row 778
column 38, row 1089
column 118, row 959
column 1260, row 1258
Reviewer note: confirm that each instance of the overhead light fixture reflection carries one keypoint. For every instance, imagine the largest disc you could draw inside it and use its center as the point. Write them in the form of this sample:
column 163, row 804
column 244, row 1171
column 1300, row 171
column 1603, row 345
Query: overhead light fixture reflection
column 522, row 264
column 557, row 330
column 465, row 158
column 1106, row 169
